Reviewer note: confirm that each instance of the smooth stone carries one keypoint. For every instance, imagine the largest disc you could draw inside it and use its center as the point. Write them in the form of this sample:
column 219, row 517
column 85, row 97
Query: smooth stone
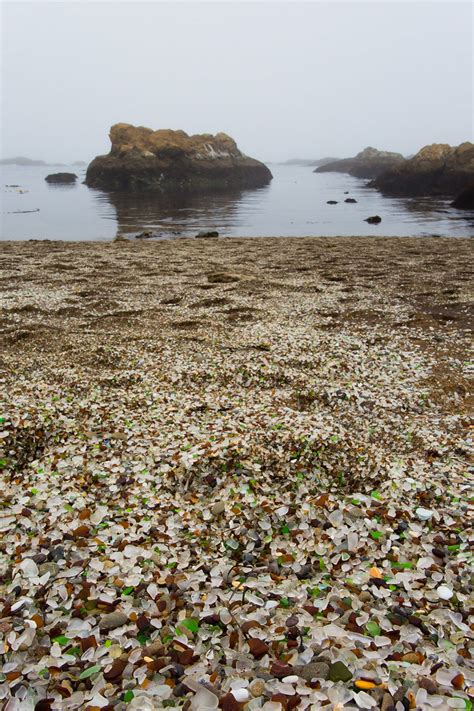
column 304, row 572
column 387, row 703
column 218, row 508
column 428, row 685
column 248, row 558
column 424, row 514
column 113, row 620
column 51, row 568
column 257, row 687
column 444, row 593
column 339, row 672
column 40, row 558
column 314, row 670
column 61, row 178
column 57, row 553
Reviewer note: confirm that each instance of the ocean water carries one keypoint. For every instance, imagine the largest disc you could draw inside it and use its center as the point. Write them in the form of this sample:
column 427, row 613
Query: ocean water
column 294, row 204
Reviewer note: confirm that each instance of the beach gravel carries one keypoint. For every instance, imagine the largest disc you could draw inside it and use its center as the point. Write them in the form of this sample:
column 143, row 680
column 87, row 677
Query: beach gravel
column 235, row 473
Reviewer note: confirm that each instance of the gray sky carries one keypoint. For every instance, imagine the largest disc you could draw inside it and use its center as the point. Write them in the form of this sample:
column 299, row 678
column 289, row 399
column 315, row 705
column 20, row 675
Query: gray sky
column 285, row 79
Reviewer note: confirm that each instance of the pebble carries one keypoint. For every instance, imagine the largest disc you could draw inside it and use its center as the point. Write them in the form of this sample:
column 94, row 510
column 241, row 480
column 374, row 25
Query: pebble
column 257, row 687
column 51, row 568
column 314, row 670
column 39, row 558
column 113, row 620
column 424, row 514
column 339, row 672
column 429, row 685
column 218, row 508
column 29, row 568
column 444, row 592
column 240, row 695
column 57, row 554
column 304, row 572
column 387, row 703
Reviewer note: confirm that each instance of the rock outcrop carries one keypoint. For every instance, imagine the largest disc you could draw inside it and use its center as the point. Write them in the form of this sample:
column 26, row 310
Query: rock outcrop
column 438, row 169
column 369, row 163
column 465, row 199
column 61, row 178
column 165, row 159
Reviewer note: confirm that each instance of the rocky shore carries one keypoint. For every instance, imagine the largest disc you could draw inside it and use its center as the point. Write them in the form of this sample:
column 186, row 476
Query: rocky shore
column 369, row 163
column 437, row 169
column 141, row 158
column 234, row 474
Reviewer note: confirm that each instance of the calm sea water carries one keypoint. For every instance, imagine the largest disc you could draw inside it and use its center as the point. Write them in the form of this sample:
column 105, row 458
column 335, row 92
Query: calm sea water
column 293, row 204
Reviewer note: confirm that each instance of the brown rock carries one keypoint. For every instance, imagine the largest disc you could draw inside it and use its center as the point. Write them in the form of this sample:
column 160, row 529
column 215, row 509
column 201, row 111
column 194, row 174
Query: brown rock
column 258, row 648
column 116, row 670
column 314, row 670
column 143, row 158
column 81, row 531
column 429, row 685
column 369, row 163
column 113, row 620
column 438, row 169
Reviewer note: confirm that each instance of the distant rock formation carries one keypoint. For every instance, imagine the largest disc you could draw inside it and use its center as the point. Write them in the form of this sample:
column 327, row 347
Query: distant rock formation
column 61, row 178
column 21, row 160
column 369, row 163
column 438, row 169
column 465, row 199
column 165, row 159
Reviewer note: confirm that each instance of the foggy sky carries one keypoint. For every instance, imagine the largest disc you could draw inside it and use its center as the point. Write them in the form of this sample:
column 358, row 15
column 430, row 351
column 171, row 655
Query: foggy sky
column 285, row 79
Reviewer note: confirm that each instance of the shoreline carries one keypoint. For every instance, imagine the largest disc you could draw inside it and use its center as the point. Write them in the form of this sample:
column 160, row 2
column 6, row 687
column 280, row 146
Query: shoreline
column 239, row 463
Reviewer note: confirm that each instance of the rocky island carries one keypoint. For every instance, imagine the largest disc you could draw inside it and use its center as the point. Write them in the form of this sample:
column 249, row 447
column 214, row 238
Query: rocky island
column 61, row 178
column 369, row 163
column 165, row 159
column 437, row 169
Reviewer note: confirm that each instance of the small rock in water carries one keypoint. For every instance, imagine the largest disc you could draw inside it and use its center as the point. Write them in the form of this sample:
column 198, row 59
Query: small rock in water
column 207, row 234
column 61, row 178
column 350, row 200
column 331, row 202
column 374, row 220
column 148, row 234
column 339, row 672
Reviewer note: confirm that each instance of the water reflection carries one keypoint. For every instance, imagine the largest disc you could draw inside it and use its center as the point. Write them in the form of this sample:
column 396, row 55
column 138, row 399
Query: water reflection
column 294, row 204
column 169, row 214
